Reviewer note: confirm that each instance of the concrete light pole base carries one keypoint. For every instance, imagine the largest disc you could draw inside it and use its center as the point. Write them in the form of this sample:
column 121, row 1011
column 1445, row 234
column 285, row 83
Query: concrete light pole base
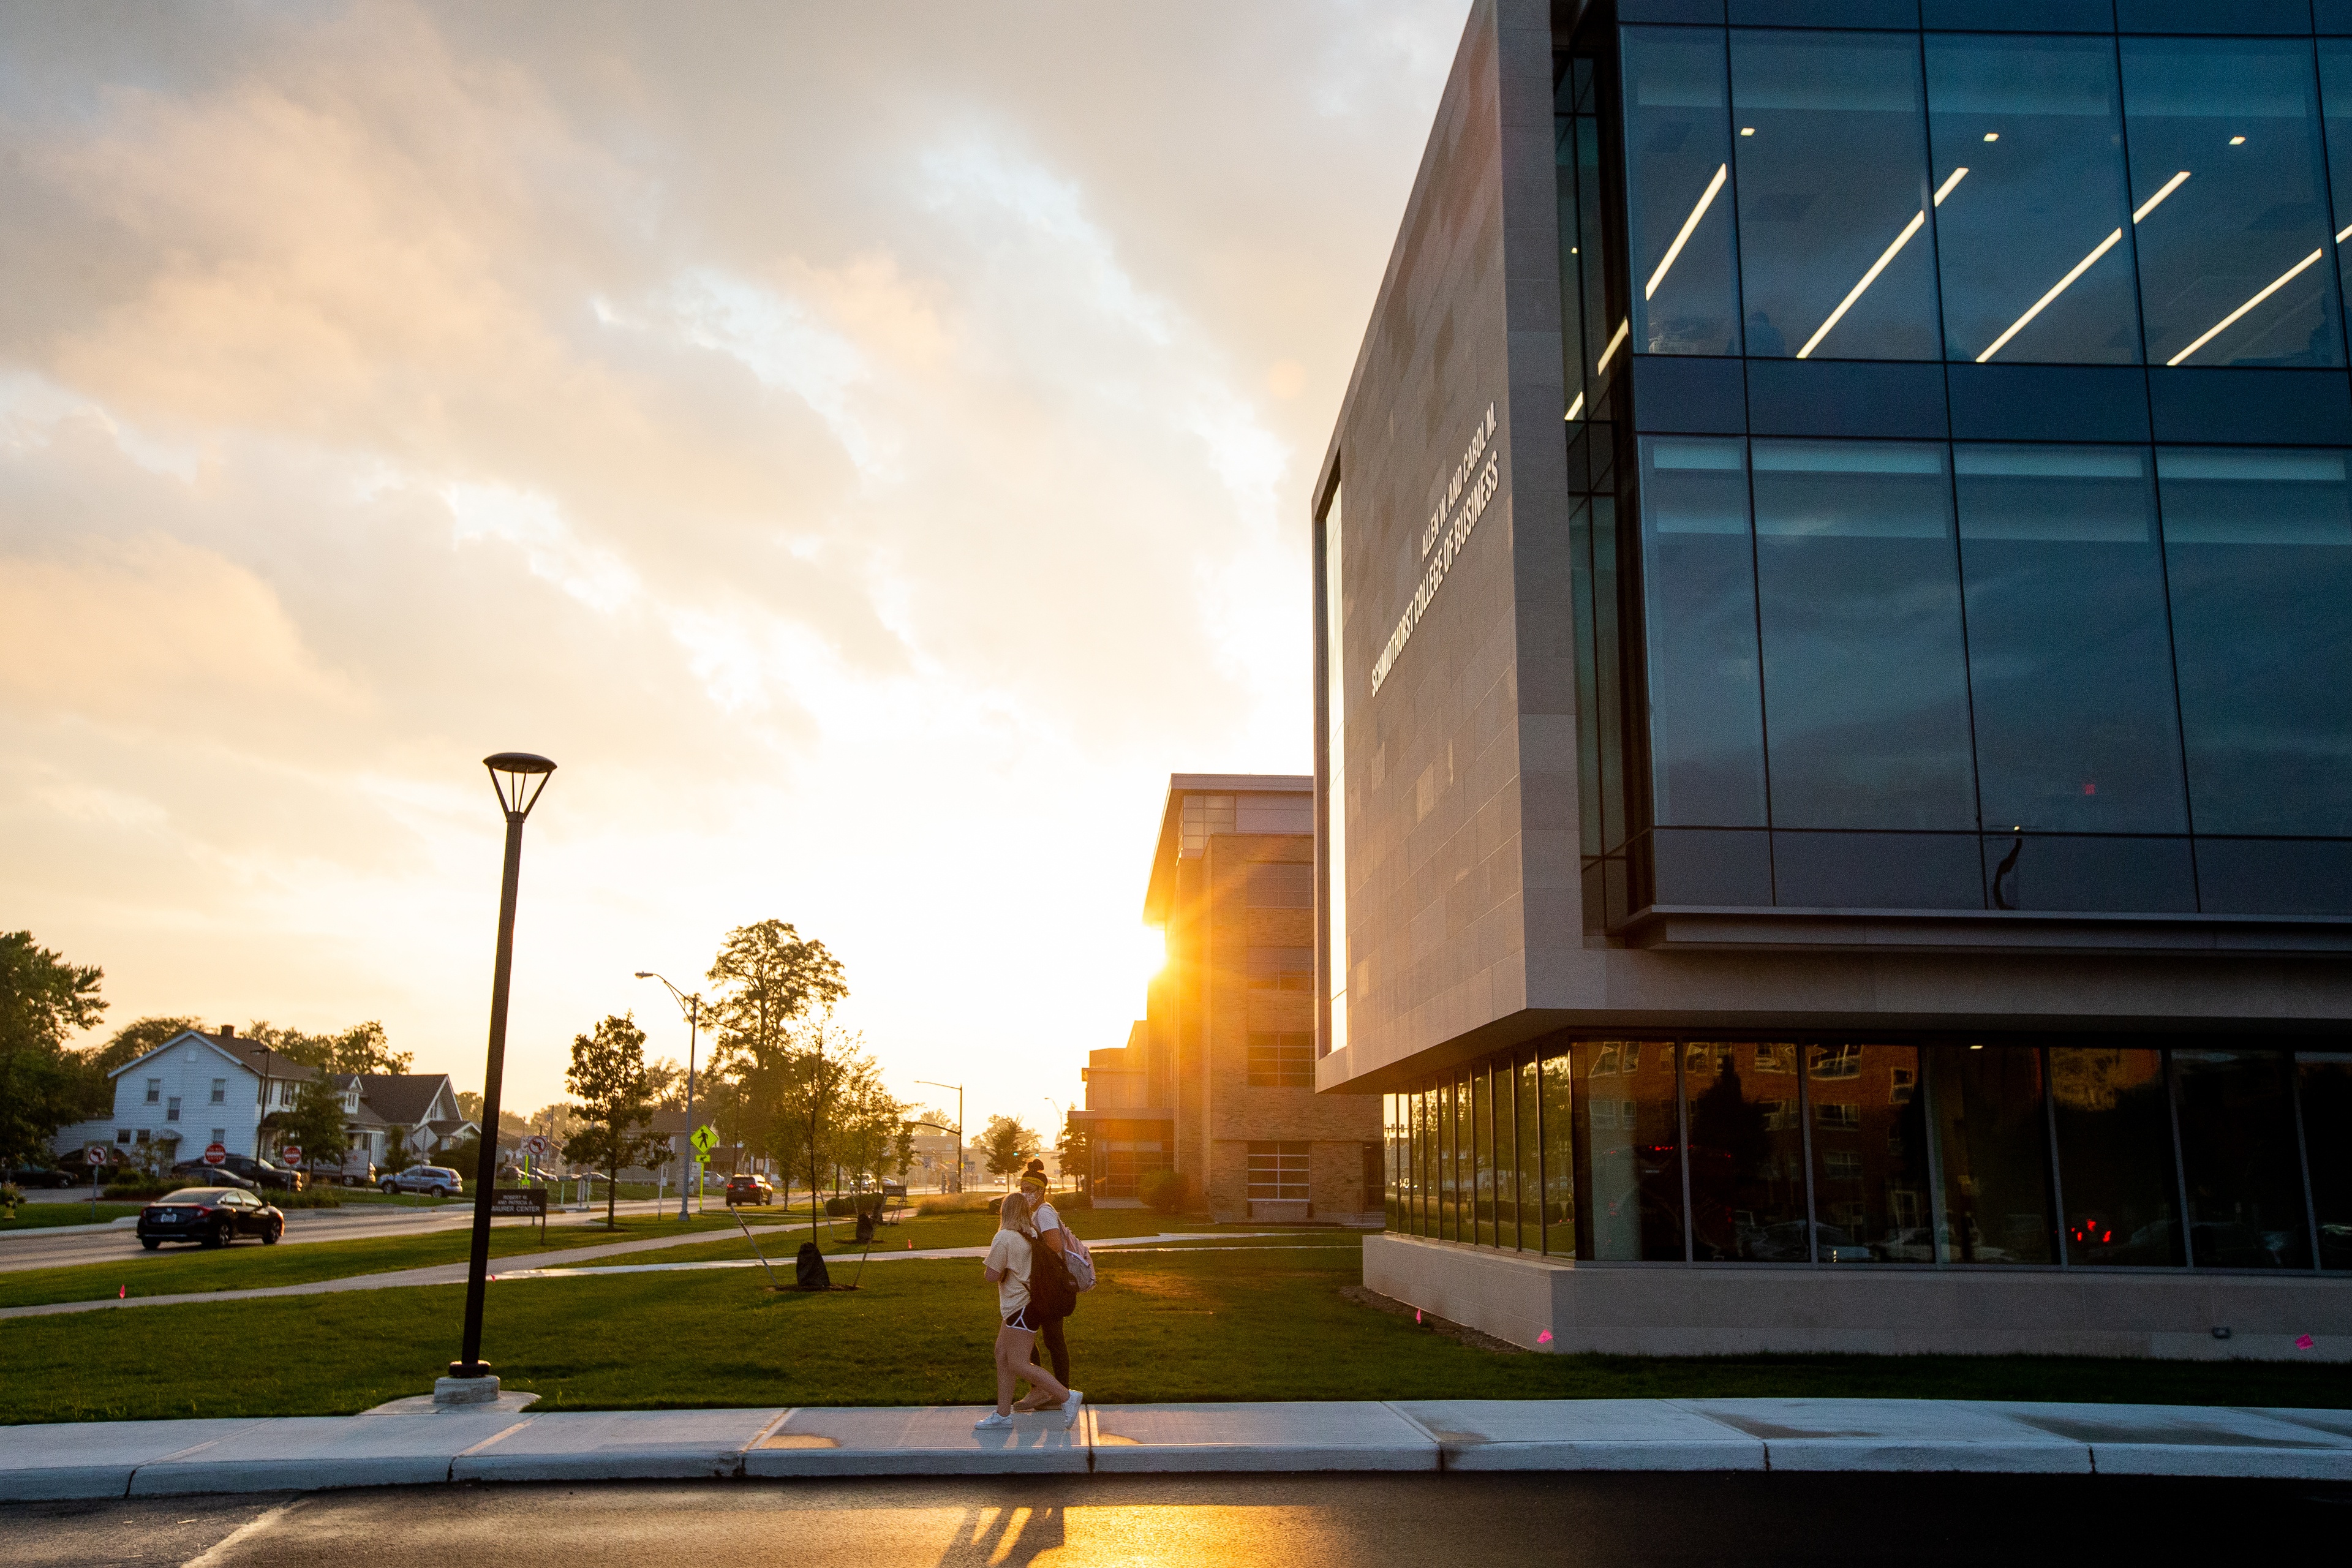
column 427, row 1405
column 449, row 1392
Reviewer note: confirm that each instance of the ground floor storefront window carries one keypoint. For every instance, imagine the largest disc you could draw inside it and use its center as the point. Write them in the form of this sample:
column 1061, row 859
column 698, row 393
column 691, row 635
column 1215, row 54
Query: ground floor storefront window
column 2208, row 1153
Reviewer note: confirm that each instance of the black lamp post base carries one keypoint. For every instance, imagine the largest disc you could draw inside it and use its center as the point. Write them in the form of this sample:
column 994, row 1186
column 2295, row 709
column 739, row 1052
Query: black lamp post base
column 469, row 1369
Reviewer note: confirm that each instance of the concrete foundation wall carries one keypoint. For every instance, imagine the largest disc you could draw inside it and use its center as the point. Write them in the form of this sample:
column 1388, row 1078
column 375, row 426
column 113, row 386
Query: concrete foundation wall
column 1731, row 1309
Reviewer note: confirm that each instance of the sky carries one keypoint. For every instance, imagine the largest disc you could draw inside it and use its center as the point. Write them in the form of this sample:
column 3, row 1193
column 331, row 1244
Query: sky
column 866, row 447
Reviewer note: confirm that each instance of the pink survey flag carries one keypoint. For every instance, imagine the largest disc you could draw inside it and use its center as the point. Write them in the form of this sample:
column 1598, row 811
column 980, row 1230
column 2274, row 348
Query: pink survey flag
column 123, row 1293
column 1417, row 1314
column 2303, row 1341
column 1544, row 1338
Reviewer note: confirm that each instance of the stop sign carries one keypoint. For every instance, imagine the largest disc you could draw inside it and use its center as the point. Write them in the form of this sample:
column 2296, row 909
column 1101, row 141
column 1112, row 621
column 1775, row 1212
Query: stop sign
column 291, row 1153
column 215, row 1154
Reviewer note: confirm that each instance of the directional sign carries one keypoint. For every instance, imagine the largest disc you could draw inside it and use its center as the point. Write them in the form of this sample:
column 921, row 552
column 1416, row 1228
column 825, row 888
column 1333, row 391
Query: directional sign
column 96, row 1154
column 535, row 1147
column 291, row 1153
column 706, row 1139
column 215, row 1154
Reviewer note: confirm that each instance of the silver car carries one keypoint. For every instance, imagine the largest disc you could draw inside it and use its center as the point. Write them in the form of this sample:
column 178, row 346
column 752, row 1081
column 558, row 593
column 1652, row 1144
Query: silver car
column 436, row 1181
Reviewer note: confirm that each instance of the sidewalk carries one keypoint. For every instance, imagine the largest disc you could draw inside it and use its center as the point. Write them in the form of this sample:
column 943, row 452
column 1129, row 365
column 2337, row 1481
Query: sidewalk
column 401, row 1446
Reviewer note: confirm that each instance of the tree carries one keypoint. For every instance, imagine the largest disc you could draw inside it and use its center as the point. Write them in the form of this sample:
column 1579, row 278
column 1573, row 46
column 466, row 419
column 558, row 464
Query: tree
column 902, row 1150
column 363, row 1048
column 608, row 1076
column 831, row 1110
column 1074, row 1150
column 665, row 1083
column 1007, row 1145
column 771, row 978
column 314, row 1123
column 42, row 1085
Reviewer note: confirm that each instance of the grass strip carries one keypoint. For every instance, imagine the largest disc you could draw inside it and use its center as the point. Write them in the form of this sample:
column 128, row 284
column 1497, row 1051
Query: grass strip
column 1166, row 1327
column 49, row 1216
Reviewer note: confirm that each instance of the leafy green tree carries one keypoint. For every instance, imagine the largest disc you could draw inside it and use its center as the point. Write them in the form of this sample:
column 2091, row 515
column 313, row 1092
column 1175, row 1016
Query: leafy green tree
column 314, row 1123
column 130, row 1042
column 42, row 1085
column 831, row 1110
column 770, row 978
column 1007, row 1146
column 902, row 1150
column 1074, row 1150
column 607, row 1076
column 363, row 1048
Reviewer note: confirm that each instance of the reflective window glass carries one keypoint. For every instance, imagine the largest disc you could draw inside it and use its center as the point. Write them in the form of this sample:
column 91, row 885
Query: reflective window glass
column 2115, row 1156
column 2230, row 208
column 1558, row 1155
column 1631, row 1143
column 2325, row 1087
column 2258, row 546
column 1865, row 677
column 1678, row 153
column 1392, row 1161
column 1465, row 1157
column 1698, row 580
column 1427, row 1135
column 1525, row 1103
column 2031, row 203
column 1992, row 1139
column 2335, row 103
column 1482, row 1157
column 1446, row 1194
column 1747, row 1155
column 1870, row 1155
column 2069, row 652
column 1830, row 164
column 2238, row 1154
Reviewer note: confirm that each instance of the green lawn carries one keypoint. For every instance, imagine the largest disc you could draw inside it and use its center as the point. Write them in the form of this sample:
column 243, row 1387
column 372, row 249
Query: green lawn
column 839, row 1235
column 174, row 1270
column 1262, row 1324
column 48, row 1216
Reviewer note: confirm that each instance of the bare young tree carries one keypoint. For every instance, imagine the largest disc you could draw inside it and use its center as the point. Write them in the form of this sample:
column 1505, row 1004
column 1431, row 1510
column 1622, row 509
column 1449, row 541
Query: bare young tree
column 608, row 1075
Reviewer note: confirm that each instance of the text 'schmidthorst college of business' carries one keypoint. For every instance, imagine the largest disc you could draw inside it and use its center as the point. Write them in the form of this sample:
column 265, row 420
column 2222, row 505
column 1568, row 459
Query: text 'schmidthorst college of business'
column 1835, row 681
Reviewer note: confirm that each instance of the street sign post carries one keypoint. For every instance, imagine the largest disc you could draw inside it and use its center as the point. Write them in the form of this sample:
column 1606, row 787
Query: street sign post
column 704, row 1139
column 215, row 1154
column 96, row 1156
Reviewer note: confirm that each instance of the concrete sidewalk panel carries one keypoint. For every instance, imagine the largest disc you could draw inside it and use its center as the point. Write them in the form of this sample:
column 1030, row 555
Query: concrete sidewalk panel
column 1355, row 1435
column 2339, row 1422
column 921, row 1440
column 2194, row 1440
column 1580, row 1434
column 95, row 1459
column 1883, row 1435
column 616, row 1444
column 309, row 1453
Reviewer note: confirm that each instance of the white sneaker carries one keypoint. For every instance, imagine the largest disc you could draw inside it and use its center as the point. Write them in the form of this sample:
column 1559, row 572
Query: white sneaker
column 992, row 1421
column 1070, row 1409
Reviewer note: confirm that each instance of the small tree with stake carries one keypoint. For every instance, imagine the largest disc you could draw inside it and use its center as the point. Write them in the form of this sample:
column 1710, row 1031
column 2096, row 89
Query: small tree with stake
column 608, row 1077
column 314, row 1124
column 1008, row 1145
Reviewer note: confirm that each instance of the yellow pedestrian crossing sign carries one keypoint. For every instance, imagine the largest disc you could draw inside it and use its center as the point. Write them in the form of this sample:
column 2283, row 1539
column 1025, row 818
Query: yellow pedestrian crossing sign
column 706, row 1138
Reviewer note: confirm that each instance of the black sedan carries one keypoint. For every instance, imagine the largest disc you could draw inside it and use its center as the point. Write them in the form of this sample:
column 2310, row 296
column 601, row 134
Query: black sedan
column 210, row 1216
column 197, row 1172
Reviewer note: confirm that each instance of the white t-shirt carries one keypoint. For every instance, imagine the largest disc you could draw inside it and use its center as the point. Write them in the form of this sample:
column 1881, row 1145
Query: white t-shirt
column 1009, row 1254
column 1046, row 1220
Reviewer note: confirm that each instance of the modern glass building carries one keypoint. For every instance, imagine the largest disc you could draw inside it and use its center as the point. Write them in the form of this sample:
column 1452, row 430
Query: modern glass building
column 1835, row 684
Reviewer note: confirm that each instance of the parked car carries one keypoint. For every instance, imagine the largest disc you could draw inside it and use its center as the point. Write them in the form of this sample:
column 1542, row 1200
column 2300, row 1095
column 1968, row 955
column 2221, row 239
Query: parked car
column 437, row 1181
column 209, row 1216
column 266, row 1173
column 750, row 1189
column 39, row 1176
column 196, row 1172
column 361, row 1173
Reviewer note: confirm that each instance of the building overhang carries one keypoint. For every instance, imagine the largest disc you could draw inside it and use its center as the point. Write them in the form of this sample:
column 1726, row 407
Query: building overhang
column 1703, row 929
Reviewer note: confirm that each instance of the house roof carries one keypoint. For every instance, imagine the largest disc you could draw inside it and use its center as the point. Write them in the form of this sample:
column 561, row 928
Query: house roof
column 255, row 1059
column 404, row 1099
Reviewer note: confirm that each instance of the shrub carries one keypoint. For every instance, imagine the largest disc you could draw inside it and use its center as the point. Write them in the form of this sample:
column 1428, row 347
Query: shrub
column 837, row 1207
column 954, row 1203
column 1161, row 1190
column 1070, row 1203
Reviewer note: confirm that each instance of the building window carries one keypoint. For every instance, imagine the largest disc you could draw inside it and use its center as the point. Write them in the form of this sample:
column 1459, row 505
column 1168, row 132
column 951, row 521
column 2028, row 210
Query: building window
column 1202, row 817
column 154, row 1091
column 1281, row 968
column 220, row 1091
column 171, row 1108
column 220, row 1135
column 1277, row 1173
column 122, row 1135
column 1281, row 886
column 1281, row 1060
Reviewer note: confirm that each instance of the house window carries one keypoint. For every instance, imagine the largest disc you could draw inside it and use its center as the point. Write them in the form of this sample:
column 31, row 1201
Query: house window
column 1277, row 1173
column 154, row 1090
column 171, row 1108
column 1281, row 968
column 220, row 1091
column 1281, row 1060
column 122, row 1135
column 142, row 1135
column 1840, row 1118
column 220, row 1134
column 1841, row 1165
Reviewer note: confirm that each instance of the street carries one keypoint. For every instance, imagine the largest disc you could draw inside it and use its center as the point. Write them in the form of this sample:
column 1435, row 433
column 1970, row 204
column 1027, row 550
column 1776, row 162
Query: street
column 1297, row 1521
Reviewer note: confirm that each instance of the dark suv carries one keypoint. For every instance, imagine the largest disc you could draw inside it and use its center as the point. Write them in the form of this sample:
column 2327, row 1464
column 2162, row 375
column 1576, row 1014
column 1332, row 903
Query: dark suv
column 752, row 1189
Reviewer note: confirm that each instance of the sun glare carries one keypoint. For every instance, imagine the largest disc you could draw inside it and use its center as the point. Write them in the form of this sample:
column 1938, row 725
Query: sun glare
column 1150, row 952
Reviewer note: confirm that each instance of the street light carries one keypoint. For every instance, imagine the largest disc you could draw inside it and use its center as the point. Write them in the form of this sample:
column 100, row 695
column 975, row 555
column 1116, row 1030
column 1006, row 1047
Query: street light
column 692, row 1006
column 927, row 1083
column 518, row 778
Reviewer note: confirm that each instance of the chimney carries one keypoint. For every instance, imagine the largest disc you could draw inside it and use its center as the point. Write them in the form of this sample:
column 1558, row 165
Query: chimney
column 228, row 1031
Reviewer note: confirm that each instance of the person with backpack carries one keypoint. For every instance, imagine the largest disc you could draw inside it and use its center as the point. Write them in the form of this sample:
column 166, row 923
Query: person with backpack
column 1077, row 1268
column 1011, row 1267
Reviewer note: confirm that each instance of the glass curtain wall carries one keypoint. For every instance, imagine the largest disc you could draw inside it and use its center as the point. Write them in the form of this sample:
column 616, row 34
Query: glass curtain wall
column 1982, row 197
column 2213, row 1155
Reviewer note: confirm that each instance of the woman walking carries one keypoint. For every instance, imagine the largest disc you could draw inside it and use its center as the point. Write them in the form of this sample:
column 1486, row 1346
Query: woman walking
column 1046, row 1226
column 1010, row 1259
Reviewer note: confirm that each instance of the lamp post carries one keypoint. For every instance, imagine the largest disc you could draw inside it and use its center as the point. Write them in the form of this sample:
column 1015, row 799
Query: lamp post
column 691, row 1005
column 927, row 1083
column 519, row 778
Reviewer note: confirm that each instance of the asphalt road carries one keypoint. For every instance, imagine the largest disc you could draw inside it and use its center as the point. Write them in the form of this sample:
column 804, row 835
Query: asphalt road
column 46, row 1249
column 1288, row 1521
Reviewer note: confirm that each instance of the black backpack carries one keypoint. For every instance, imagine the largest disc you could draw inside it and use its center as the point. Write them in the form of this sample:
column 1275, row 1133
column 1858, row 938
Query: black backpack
column 1052, row 1292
